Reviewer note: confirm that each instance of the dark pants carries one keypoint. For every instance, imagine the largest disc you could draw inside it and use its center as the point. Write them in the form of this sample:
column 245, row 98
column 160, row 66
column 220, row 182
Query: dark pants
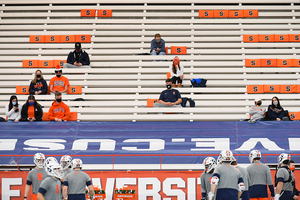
column 174, row 79
column 287, row 195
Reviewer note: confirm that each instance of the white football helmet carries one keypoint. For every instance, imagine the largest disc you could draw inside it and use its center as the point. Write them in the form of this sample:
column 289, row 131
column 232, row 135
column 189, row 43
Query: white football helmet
column 209, row 164
column 76, row 163
column 283, row 157
column 254, row 154
column 226, row 156
column 50, row 160
column 65, row 161
column 219, row 160
column 55, row 169
column 39, row 160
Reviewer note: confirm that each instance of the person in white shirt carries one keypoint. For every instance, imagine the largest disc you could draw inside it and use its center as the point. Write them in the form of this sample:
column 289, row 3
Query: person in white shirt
column 176, row 70
column 13, row 110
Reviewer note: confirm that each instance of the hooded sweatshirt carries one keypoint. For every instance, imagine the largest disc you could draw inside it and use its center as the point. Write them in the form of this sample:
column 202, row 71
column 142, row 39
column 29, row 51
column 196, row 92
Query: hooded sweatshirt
column 60, row 111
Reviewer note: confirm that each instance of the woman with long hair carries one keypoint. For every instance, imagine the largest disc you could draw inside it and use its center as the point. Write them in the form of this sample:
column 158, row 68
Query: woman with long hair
column 32, row 110
column 176, row 70
column 13, row 110
column 275, row 111
column 38, row 85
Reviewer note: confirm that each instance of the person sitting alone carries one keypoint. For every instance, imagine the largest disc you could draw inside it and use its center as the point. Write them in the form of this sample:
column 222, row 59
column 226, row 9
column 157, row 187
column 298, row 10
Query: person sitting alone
column 158, row 45
column 169, row 97
column 59, row 83
column 78, row 58
column 176, row 71
column 59, row 111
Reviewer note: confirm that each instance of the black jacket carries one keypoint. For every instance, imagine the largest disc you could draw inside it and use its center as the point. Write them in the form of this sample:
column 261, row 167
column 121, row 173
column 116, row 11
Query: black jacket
column 38, row 112
column 39, row 85
column 83, row 58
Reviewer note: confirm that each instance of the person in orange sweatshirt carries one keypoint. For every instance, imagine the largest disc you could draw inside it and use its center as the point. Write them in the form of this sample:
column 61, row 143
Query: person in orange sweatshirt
column 59, row 111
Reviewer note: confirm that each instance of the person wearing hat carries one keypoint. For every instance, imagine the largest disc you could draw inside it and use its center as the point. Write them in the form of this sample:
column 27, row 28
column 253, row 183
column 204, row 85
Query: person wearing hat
column 257, row 112
column 176, row 70
column 78, row 58
column 59, row 83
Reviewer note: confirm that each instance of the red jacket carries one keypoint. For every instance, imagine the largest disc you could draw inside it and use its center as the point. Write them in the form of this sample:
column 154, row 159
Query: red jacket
column 60, row 111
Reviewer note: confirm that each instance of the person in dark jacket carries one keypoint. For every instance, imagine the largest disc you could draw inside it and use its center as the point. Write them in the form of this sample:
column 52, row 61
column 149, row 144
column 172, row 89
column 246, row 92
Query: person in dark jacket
column 157, row 45
column 275, row 111
column 38, row 85
column 77, row 58
column 32, row 110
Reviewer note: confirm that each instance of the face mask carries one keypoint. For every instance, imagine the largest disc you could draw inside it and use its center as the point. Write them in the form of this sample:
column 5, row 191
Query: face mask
column 14, row 103
column 259, row 103
column 38, row 76
column 169, row 86
column 292, row 168
column 275, row 103
column 58, row 75
column 31, row 103
column 58, row 100
column 157, row 41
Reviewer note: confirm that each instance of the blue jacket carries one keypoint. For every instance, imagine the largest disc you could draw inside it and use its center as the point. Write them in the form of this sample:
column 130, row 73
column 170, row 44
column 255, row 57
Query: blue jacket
column 274, row 113
column 39, row 85
column 83, row 58
column 155, row 45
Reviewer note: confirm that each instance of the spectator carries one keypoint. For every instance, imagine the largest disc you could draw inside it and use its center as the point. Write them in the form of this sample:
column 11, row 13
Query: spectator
column 13, row 110
column 275, row 111
column 78, row 58
column 257, row 113
column 32, row 110
column 59, row 111
column 59, row 83
column 176, row 71
column 157, row 45
column 169, row 97
column 38, row 85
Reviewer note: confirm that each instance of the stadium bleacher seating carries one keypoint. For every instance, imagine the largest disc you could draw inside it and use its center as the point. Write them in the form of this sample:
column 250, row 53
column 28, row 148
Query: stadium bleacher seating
column 120, row 81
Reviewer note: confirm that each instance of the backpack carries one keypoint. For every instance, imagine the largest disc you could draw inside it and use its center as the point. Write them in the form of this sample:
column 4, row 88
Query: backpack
column 185, row 100
column 198, row 82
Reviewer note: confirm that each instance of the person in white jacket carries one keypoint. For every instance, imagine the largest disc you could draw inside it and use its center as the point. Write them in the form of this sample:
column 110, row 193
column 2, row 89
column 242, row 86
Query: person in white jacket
column 13, row 110
column 176, row 70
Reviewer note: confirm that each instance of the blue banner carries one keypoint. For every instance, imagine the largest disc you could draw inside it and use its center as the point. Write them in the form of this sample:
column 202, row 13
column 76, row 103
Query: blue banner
column 178, row 142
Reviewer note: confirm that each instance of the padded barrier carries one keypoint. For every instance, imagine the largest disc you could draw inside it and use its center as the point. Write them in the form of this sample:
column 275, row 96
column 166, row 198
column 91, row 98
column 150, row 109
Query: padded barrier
column 73, row 116
column 150, row 102
column 57, row 38
column 228, row 13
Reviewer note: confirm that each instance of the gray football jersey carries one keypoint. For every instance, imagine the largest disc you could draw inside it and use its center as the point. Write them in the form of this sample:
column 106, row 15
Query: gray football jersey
column 77, row 181
column 229, row 176
column 36, row 176
column 205, row 183
column 259, row 174
column 68, row 171
column 245, row 176
column 283, row 173
column 52, row 188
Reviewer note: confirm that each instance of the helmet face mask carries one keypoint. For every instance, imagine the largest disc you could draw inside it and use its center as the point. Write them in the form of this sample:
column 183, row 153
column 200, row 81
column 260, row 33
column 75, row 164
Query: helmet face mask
column 254, row 154
column 209, row 164
column 66, row 161
column 39, row 160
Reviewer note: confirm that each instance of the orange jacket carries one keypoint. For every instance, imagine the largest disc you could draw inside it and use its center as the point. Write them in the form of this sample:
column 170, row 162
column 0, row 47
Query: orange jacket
column 60, row 111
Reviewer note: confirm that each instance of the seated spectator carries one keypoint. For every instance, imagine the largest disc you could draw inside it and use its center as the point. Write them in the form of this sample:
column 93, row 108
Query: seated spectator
column 257, row 112
column 38, row 85
column 59, row 83
column 13, row 110
column 59, row 111
column 169, row 97
column 77, row 58
column 275, row 111
column 176, row 71
column 32, row 110
column 157, row 46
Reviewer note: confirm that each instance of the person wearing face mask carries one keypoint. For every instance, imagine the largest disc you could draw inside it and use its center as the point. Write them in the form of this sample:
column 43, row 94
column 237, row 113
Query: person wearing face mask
column 292, row 167
column 13, row 110
column 38, row 85
column 77, row 58
column 176, row 69
column 32, row 110
column 59, row 83
column 169, row 97
column 59, row 111
column 275, row 111
column 157, row 45
column 257, row 112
